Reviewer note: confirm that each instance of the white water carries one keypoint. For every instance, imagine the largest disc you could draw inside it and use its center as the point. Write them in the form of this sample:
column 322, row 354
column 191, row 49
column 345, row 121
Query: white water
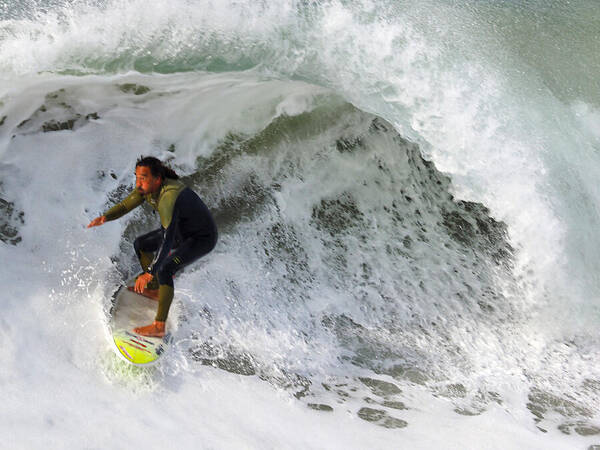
column 325, row 273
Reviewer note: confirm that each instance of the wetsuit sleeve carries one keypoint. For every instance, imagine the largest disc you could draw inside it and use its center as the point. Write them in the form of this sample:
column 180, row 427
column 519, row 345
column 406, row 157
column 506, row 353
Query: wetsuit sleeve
column 130, row 202
column 167, row 244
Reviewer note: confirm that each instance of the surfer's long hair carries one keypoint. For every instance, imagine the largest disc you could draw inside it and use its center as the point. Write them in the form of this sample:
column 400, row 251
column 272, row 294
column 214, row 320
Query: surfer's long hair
column 157, row 168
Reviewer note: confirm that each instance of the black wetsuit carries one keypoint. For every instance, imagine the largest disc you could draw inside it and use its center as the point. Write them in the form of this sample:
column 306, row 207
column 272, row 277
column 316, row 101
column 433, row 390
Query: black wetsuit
column 191, row 234
column 188, row 232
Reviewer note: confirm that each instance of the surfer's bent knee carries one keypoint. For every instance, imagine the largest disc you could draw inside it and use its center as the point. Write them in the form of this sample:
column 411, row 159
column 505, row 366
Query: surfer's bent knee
column 196, row 250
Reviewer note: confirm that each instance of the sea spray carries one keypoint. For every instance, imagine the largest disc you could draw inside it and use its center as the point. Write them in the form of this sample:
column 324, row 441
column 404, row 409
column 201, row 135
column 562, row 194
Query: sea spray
column 405, row 194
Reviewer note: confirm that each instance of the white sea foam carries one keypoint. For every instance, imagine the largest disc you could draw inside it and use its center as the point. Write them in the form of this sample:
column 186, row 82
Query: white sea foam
column 342, row 255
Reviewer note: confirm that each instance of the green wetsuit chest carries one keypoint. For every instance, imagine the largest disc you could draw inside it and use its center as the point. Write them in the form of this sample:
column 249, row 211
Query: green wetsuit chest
column 162, row 201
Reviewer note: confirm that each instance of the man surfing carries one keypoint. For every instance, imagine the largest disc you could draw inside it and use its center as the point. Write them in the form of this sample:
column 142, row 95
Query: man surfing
column 187, row 233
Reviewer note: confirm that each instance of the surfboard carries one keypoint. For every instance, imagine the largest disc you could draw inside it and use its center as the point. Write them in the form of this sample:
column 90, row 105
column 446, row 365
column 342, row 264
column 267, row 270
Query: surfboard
column 132, row 310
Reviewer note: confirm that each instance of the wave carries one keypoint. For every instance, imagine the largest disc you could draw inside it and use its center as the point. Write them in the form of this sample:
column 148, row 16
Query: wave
column 405, row 200
column 342, row 249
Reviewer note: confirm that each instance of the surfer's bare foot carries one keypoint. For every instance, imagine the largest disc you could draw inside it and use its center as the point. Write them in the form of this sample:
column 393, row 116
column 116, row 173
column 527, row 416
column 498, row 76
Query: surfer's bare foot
column 150, row 293
column 156, row 329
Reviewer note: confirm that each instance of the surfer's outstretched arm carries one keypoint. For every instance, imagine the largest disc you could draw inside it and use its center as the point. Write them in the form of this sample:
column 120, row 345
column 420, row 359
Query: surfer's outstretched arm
column 130, row 202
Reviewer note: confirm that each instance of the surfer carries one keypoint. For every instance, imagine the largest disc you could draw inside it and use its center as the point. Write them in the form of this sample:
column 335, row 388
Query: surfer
column 187, row 233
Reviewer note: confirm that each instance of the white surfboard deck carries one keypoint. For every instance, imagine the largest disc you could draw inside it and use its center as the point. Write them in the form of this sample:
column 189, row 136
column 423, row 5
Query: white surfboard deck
column 132, row 310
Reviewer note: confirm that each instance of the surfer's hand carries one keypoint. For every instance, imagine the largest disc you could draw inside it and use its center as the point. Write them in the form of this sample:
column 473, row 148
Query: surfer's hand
column 97, row 221
column 142, row 281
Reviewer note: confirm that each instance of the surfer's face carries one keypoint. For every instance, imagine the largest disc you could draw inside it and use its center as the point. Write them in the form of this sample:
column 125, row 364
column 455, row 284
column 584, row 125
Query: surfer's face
column 145, row 183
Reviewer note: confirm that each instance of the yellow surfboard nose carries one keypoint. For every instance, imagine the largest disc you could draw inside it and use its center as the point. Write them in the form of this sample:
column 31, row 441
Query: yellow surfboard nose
column 138, row 349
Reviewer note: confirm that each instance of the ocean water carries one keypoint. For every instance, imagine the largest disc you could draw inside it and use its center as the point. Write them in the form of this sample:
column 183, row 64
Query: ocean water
column 406, row 194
